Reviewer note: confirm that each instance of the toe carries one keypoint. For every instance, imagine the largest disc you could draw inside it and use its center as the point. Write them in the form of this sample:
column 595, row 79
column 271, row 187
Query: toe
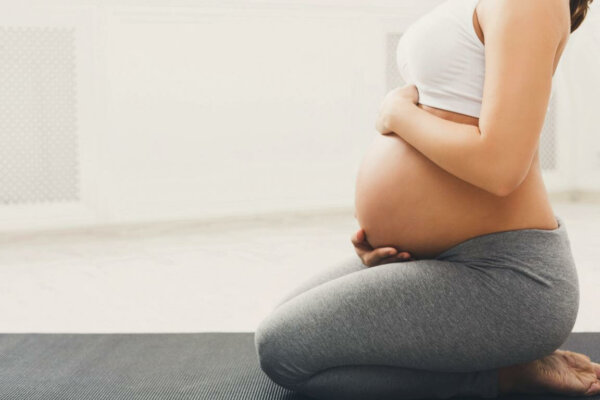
column 572, row 359
column 593, row 390
column 584, row 358
column 596, row 369
column 580, row 361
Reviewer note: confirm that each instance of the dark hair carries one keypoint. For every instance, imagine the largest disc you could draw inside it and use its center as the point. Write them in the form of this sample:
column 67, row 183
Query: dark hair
column 579, row 10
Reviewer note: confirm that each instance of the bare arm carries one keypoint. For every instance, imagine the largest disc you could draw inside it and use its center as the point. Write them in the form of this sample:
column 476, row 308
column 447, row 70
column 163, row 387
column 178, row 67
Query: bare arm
column 521, row 40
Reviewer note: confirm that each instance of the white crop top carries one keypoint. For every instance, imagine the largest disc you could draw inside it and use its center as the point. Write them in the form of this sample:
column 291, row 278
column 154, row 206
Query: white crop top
column 441, row 54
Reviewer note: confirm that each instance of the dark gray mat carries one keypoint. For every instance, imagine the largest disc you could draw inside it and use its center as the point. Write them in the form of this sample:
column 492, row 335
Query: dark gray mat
column 211, row 366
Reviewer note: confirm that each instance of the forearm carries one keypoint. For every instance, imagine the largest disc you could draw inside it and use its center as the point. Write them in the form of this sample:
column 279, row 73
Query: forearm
column 460, row 149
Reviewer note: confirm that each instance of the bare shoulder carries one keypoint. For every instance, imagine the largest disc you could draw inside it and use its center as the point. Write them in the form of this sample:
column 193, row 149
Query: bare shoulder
column 548, row 16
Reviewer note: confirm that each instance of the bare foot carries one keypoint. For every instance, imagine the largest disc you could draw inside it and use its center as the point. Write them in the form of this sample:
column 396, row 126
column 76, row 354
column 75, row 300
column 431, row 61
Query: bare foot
column 562, row 372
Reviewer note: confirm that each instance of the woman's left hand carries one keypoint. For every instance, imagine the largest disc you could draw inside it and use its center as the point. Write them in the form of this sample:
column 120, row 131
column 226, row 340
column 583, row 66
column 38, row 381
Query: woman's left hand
column 392, row 104
column 372, row 257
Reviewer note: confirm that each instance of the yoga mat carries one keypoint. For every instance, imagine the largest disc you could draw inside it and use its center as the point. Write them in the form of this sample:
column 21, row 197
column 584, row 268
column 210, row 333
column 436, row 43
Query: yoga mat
column 177, row 366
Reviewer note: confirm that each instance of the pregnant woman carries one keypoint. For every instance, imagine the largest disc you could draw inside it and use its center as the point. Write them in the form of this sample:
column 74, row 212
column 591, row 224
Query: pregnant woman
column 487, row 290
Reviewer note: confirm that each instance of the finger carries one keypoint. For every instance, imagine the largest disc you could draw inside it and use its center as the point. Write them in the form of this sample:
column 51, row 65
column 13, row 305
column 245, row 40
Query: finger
column 359, row 242
column 357, row 237
column 363, row 247
column 363, row 253
column 366, row 240
column 379, row 254
column 389, row 260
column 375, row 256
column 360, row 253
column 577, row 360
column 368, row 259
column 596, row 369
column 403, row 255
column 362, row 235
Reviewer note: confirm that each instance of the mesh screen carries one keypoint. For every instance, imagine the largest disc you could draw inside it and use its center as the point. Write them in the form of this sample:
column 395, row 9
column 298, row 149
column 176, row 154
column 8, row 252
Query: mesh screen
column 394, row 79
column 548, row 148
column 38, row 137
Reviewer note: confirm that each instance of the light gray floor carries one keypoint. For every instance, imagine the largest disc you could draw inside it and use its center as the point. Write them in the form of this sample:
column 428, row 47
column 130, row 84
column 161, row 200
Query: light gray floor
column 197, row 277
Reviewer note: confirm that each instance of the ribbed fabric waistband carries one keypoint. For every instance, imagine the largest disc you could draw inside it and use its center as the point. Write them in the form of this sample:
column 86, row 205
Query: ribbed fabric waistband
column 531, row 239
column 542, row 254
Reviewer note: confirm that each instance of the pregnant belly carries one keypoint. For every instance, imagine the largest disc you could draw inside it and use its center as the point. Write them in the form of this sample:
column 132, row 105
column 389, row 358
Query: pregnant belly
column 403, row 199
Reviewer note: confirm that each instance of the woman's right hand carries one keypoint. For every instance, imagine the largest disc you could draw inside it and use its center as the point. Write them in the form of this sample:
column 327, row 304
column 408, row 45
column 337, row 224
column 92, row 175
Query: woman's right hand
column 372, row 257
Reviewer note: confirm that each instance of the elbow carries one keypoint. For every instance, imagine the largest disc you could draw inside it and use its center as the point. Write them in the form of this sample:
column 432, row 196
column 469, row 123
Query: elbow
column 505, row 172
column 506, row 185
column 503, row 190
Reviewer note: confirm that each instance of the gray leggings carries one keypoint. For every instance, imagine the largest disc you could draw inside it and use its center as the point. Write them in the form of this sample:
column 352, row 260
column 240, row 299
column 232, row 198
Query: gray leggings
column 434, row 328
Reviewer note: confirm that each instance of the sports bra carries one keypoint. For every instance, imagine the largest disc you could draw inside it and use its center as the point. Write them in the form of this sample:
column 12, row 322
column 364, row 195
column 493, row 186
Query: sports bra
column 441, row 54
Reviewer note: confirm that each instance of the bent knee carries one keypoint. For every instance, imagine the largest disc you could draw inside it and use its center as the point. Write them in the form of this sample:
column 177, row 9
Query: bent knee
column 276, row 355
column 555, row 327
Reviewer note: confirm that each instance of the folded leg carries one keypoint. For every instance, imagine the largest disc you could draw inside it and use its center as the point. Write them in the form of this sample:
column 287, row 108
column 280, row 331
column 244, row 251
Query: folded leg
column 424, row 328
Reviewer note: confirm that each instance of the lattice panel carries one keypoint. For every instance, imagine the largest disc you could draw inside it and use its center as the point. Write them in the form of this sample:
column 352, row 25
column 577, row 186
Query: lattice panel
column 394, row 79
column 548, row 149
column 548, row 143
column 38, row 132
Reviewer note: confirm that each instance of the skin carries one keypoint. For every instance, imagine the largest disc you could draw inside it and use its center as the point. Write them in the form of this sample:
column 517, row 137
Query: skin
column 435, row 178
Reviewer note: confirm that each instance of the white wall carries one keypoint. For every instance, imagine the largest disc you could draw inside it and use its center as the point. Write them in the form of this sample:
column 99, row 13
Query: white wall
column 243, row 111
column 582, row 67
column 206, row 109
